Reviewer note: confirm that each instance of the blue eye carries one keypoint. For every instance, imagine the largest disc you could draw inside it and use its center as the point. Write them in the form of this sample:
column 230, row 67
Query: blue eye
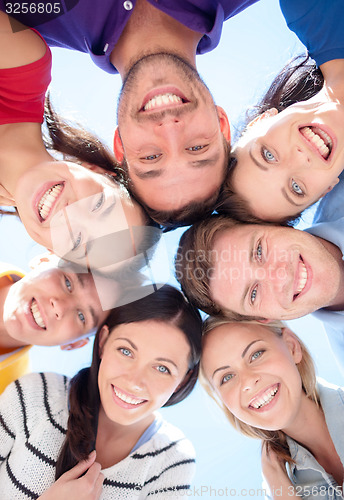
column 81, row 317
column 77, row 242
column 256, row 355
column 125, row 352
column 99, row 203
column 254, row 294
column 267, row 155
column 68, row 284
column 195, row 148
column 151, row 157
column 259, row 251
column 226, row 378
column 296, row 188
column 163, row 369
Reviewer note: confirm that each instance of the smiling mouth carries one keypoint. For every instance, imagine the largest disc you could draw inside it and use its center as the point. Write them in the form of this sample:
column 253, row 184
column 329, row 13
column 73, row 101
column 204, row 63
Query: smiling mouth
column 265, row 398
column 36, row 314
column 302, row 278
column 128, row 399
column 48, row 200
column 319, row 139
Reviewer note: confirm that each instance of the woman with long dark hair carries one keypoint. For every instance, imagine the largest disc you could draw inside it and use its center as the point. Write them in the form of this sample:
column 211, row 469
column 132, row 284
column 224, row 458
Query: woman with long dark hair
column 146, row 356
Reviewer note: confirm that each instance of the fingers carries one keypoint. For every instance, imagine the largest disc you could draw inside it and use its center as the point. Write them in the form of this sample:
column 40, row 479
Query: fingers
column 80, row 468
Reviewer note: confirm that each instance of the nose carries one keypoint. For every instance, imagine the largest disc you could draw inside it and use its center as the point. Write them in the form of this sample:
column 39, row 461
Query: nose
column 301, row 157
column 280, row 274
column 135, row 380
column 249, row 381
column 169, row 123
column 59, row 307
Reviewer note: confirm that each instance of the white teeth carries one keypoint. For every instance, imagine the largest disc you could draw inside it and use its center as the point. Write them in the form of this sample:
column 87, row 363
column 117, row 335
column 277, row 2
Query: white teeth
column 264, row 399
column 37, row 315
column 162, row 100
column 302, row 278
column 48, row 199
column 321, row 140
column 127, row 399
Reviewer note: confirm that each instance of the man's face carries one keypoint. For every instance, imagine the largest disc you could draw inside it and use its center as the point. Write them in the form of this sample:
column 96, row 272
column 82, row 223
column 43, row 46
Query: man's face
column 272, row 272
column 170, row 133
column 52, row 307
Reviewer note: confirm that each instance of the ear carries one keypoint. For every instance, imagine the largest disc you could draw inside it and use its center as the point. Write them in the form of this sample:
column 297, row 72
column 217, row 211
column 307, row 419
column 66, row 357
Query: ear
column 102, row 338
column 75, row 345
column 118, row 146
column 224, row 123
column 6, row 199
column 293, row 344
column 43, row 258
column 267, row 114
column 334, row 183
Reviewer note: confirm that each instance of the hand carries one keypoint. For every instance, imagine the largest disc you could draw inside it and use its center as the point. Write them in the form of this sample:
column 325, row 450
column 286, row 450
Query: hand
column 70, row 485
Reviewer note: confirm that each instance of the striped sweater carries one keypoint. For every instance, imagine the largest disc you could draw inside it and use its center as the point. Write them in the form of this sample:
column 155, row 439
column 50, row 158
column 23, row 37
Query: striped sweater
column 33, row 420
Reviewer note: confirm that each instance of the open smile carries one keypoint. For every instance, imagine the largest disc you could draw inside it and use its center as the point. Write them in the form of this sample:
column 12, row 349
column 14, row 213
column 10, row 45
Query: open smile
column 126, row 400
column 265, row 399
column 319, row 140
column 302, row 279
column 47, row 200
column 36, row 315
column 163, row 98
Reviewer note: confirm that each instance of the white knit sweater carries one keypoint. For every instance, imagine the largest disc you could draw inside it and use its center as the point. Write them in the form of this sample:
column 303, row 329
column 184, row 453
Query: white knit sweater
column 33, row 421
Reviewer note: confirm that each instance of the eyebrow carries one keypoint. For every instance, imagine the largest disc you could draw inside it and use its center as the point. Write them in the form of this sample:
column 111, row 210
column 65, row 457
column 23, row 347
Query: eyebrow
column 129, row 341
column 168, row 361
column 82, row 282
column 251, row 245
column 150, row 174
column 136, row 349
column 260, row 165
column 242, row 356
column 287, row 197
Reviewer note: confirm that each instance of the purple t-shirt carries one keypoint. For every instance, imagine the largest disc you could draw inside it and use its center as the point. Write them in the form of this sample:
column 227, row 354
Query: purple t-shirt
column 94, row 26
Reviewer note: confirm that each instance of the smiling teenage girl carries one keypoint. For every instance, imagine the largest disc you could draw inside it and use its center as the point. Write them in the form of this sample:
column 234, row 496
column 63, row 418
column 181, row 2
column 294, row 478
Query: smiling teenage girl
column 263, row 378
column 145, row 357
column 51, row 195
column 291, row 153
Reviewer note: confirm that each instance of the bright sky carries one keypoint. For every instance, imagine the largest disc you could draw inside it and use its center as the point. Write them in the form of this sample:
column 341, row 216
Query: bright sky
column 254, row 46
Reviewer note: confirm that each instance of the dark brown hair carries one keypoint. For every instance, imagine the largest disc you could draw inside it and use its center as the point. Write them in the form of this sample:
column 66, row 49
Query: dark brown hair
column 166, row 305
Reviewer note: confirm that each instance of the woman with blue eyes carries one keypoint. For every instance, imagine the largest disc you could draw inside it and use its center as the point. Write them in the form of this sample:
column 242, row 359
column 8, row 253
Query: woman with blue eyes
column 263, row 378
column 62, row 204
column 291, row 152
column 98, row 435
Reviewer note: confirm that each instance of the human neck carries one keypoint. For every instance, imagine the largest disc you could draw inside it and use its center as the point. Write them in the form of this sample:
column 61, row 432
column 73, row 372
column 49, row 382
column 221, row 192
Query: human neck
column 114, row 441
column 7, row 343
column 154, row 30
column 21, row 147
column 309, row 429
column 333, row 72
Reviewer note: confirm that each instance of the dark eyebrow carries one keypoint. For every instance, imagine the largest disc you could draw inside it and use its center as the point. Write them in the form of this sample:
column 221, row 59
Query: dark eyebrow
column 219, row 369
column 147, row 175
column 129, row 342
column 286, row 196
column 247, row 347
column 207, row 162
column 260, row 165
column 168, row 361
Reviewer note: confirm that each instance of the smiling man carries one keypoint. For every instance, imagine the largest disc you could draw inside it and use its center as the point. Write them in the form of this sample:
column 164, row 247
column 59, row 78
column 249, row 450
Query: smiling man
column 172, row 139
column 245, row 271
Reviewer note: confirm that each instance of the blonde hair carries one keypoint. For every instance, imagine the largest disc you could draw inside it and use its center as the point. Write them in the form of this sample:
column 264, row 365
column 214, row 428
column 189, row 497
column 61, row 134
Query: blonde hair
column 272, row 440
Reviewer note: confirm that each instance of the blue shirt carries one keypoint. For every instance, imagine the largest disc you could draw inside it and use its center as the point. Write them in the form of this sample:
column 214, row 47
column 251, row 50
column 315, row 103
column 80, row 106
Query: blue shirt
column 329, row 225
column 309, row 478
column 319, row 24
column 94, row 26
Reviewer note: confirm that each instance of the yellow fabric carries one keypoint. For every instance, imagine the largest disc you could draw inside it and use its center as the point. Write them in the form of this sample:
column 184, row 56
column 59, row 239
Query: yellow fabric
column 16, row 364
